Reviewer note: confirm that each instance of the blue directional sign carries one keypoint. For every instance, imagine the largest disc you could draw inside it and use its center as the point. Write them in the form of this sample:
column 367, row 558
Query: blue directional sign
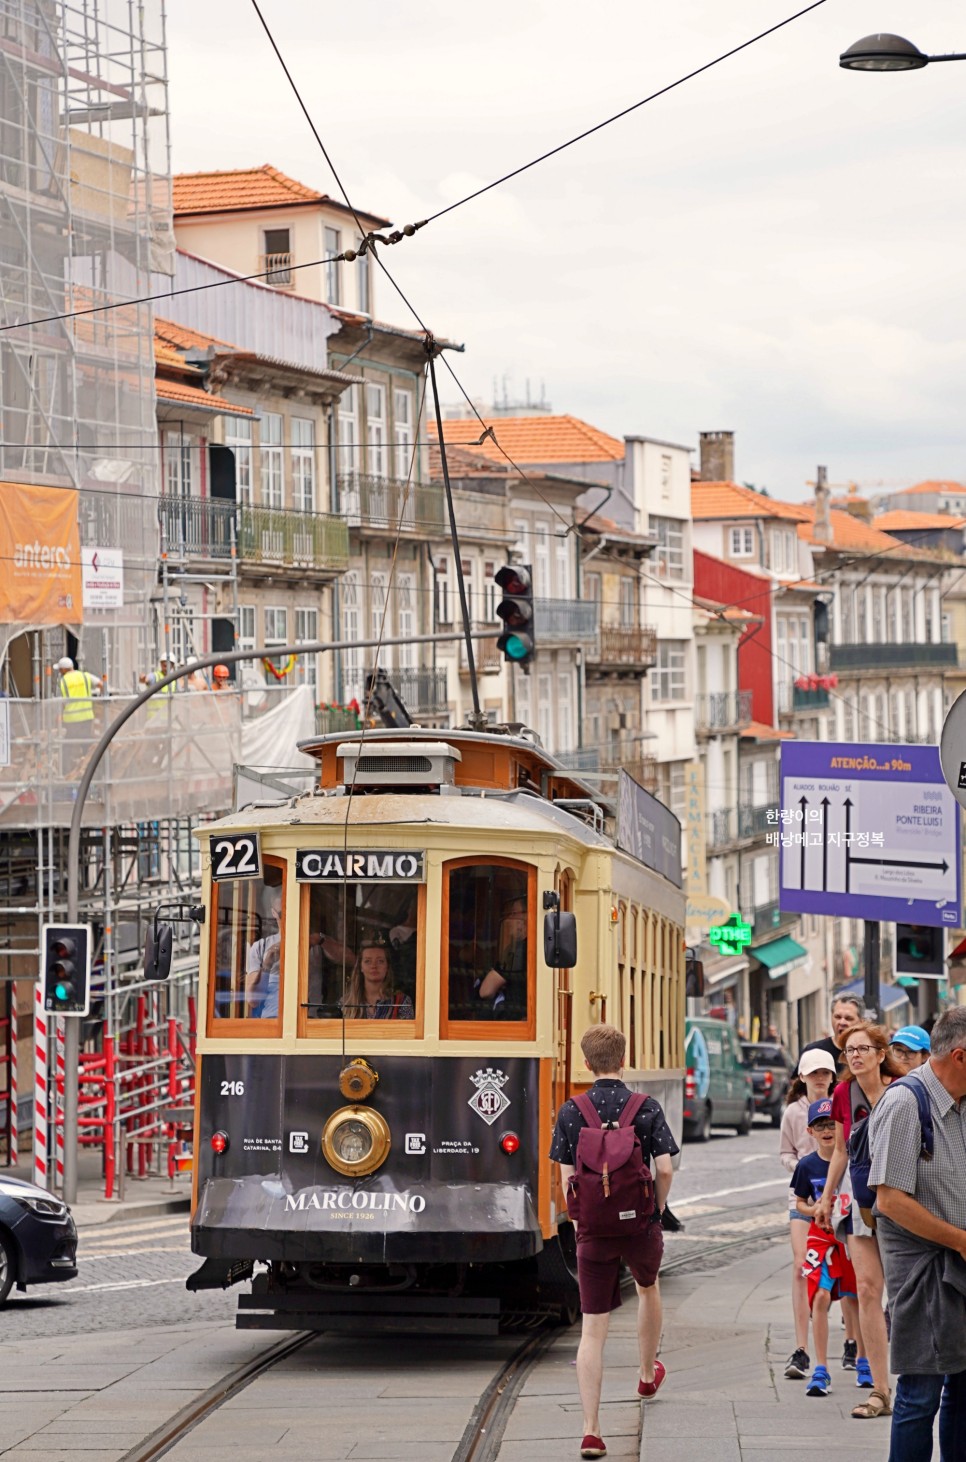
column 868, row 832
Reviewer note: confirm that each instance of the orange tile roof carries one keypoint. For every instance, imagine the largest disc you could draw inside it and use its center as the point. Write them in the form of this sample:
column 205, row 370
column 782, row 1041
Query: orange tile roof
column 758, row 731
column 181, row 338
column 731, row 500
column 850, row 532
column 902, row 518
column 536, row 439
column 195, row 396
column 238, row 189
column 932, row 487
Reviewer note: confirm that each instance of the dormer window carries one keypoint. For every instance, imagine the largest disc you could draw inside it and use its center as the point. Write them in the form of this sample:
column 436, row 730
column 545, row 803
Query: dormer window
column 277, row 257
column 742, row 542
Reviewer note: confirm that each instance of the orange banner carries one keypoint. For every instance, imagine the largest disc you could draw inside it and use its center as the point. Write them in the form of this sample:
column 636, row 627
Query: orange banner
column 40, row 566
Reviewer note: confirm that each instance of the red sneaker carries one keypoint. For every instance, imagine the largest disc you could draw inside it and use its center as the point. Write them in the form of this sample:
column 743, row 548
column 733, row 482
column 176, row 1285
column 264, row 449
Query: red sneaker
column 592, row 1446
column 647, row 1389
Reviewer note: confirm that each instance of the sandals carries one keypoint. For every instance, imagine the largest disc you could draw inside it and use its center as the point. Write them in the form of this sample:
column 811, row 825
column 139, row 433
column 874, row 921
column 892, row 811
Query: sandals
column 875, row 1405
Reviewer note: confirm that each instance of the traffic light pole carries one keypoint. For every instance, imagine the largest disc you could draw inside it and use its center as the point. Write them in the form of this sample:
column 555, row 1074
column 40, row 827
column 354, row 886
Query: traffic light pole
column 870, row 962
column 204, row 662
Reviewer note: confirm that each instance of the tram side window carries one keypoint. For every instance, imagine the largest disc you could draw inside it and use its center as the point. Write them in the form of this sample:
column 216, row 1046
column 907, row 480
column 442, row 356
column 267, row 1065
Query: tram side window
column 489, row 932
column 248, row 947
column 362, row 951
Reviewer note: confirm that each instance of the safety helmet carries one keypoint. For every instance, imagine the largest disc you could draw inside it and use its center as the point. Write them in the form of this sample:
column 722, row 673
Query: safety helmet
column 221, row 672
column 64, row 663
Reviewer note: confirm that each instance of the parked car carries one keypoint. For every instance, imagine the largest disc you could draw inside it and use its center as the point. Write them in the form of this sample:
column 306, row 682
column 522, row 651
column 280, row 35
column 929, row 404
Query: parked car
column 717, row 1086
column 771, row 1070
column 38, row 1239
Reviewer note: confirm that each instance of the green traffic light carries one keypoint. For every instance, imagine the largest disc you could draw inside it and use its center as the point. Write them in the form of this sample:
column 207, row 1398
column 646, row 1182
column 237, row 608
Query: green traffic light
column 61, row 992
column 514, row 648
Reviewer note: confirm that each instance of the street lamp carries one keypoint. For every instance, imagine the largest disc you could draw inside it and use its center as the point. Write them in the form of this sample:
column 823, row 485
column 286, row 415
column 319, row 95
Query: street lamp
column 888, row 53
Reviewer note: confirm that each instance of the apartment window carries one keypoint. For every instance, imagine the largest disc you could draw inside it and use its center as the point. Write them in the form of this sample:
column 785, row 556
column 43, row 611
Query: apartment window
column 541, row 560
column 804, row 634
column 303, row 463
column 332, row 244
column 591, row 588
column 847, row 602
column 878, row 615
column 665, row 477
column 671, row 786
column 910, row 711
column 278, row 256
column 376, row 430
column 379, row 625
column 668, row 682
column 246, row 627
column 406, row 620
column 402, row 414
column 238, row 436
column 444, row 592
column 272, row 460
column 351, row 631
column 489, row 592
column 669, row 558
column 545, row 709
column 178, row 481
column 929, row 620
column 778, row 552
column 562, row 555
column 862, row 615
column 307, row 666
column 908, row 618
column 742, row 542
column 361, row 267
column 349, row 430
column 627, row 602
column 276, row 632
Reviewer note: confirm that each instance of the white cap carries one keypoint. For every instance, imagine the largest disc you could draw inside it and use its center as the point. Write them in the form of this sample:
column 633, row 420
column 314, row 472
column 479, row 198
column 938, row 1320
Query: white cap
column 64, row 663
column 192, row 660
column 812, row 1061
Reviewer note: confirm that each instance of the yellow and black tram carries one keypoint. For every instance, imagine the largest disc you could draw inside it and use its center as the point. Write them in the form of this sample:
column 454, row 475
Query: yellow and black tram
column 384, row 1043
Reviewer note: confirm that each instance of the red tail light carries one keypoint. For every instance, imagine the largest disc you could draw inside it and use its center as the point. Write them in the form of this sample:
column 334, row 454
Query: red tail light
column 510, row 1143
column 690, row 1085
column 768, row 1080
column 219, row 1142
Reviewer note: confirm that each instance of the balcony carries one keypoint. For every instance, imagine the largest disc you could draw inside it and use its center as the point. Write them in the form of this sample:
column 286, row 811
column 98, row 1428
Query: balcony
column 423, row 690
column 564, row 621
column 883, row 658
column 486, row 657
column 732, row 825
column 586, row 759
column 642, row 768
column 278, row 268
column 332, row 719
column 273, row 538
column 722, row 710
column 623, row 648
column 809, row 700
column 388, row 503
column 197, row 527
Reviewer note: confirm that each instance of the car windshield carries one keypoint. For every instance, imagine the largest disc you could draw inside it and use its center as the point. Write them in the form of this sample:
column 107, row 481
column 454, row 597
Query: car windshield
column 761, row 1056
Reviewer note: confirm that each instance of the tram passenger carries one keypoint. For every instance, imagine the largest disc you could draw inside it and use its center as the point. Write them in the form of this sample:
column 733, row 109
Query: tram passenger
column 372, row 994
column 599, row 1260
column 262, row 967
column 871, row 1068
column 503, row 988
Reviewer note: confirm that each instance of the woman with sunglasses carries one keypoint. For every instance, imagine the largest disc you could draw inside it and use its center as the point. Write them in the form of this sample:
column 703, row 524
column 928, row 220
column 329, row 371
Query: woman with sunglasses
column 871, row 1067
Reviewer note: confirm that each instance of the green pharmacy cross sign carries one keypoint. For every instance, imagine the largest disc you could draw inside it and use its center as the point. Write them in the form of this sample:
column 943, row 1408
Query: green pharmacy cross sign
column 731, row 937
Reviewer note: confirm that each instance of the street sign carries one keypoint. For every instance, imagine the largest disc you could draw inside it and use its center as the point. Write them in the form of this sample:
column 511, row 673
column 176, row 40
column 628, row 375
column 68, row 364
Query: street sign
column 732, row 937
column 868, row 833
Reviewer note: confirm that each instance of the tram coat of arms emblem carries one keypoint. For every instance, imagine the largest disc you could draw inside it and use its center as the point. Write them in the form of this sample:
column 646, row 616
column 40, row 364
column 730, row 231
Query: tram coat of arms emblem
column 489, row 1099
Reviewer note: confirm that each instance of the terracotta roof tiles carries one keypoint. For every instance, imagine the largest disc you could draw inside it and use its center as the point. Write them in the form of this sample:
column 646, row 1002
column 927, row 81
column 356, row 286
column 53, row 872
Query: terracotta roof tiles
column 901, row 518
column 536, row 439
column 730, row 500
column 194, row 396
column 925, row 487
column 239, row 189
column 180, row 337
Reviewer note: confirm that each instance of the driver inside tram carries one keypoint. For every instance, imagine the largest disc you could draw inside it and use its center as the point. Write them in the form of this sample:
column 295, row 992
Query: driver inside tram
column 503, row 988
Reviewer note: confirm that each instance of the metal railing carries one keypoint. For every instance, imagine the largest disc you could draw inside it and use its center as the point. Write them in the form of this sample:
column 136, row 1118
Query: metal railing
column 278, row 268
column 738, row 824
column 722, row 710
column 642, row 768
column 368, row 501
column 753, row 822
column 563, row 621
column 423, row 689
column 623, row 645
column 584, row 759
column 279, row 536
column 197, row 527
column 809, row 700
column 330, row 719
column 892, row 657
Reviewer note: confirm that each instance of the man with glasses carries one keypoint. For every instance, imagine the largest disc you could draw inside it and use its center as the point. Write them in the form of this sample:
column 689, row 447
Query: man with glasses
column 910, row 1046
column 921, row 1212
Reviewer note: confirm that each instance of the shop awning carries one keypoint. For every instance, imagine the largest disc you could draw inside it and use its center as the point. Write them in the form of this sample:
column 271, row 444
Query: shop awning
column 890, row 996
column 722, row 971
column 781, row 956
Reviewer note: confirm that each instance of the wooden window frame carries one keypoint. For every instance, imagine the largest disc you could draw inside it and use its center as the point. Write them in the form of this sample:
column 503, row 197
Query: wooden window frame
column 258, row 1027
column 488, row 1030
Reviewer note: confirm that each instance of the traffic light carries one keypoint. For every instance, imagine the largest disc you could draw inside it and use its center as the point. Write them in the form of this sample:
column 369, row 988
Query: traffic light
column 516, row 611
column 920, row 951
column 66, row 968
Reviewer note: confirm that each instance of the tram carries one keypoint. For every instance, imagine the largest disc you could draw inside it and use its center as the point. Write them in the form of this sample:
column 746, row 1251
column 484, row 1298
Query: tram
column 391, row 1019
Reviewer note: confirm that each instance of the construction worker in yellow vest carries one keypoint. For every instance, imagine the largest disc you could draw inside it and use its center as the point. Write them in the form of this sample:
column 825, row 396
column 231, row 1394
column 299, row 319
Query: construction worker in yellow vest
column 77, row 689
column 165, row 667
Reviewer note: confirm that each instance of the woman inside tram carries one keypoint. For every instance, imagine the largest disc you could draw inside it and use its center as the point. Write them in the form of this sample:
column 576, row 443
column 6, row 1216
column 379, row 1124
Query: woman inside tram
column 371, row 992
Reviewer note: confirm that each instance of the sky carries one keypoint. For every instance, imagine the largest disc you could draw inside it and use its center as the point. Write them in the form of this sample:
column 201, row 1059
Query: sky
column 774, row 248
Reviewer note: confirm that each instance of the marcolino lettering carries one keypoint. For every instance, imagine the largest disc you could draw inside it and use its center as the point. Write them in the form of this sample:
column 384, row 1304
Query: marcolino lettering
column 358, row 1201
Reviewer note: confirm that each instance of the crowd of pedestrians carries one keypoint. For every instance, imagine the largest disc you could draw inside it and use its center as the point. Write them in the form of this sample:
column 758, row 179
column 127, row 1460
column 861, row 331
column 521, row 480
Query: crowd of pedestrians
column 874, row 1136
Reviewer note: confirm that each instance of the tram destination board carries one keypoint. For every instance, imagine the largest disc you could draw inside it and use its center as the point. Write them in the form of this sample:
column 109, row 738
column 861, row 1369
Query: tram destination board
column 362, row 865
column 867, row 832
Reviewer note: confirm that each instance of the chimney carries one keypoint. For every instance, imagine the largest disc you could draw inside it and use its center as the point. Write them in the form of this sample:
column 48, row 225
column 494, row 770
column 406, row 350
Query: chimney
column 717, row 456
column 823, row 523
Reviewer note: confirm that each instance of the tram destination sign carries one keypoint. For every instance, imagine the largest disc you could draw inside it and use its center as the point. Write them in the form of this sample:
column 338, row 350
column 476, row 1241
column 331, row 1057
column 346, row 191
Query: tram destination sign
column 867, row 832
column 360, row 865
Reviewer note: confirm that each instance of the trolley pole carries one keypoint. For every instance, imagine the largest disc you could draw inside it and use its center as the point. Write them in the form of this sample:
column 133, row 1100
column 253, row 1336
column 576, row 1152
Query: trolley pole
column 204, row 662
column 870, row 961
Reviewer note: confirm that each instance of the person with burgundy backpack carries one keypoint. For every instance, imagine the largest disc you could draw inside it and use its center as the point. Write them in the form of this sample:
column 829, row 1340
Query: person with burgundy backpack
column 605, row 1140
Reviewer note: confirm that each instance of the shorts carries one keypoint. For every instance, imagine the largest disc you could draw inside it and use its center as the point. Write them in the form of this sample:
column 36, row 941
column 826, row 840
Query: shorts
column 599, row 1267
column 805, row 1218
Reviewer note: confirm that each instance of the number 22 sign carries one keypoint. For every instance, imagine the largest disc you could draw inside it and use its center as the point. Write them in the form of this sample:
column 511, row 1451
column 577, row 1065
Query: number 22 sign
column 235, row 855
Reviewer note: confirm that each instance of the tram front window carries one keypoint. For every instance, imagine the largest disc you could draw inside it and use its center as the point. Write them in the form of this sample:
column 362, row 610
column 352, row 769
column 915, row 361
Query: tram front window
column 361, row 960
column 248, row 947
column 489, row 942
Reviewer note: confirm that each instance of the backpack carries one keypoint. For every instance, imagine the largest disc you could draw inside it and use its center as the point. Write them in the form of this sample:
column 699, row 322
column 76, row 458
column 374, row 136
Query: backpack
column 860, row 1154
column 611, row 1193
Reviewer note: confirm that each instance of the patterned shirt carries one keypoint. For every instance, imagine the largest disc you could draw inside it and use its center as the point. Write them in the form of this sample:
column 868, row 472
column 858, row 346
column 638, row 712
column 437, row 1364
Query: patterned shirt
column 895, row 1140
column 609, row 1096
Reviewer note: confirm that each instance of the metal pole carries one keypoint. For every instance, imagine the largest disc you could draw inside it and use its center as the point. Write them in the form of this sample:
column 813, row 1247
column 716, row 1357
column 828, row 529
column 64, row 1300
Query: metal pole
column 870, row 955
column 205, row 662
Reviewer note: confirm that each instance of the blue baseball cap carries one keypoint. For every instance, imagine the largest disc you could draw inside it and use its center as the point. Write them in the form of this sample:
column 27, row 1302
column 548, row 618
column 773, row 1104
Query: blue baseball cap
column 818, row 1111
column 912, row 1036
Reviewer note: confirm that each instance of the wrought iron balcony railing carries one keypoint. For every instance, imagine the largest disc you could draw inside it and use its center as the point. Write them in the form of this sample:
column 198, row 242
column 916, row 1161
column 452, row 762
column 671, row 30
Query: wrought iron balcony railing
column 908, row 656
column 585, row 759
column 562, row 621
column 423, row 689
column 279, row 537
column 389, row 503
column 198, row 527
column 722, row 710
column 621, row 646
column 330, row 719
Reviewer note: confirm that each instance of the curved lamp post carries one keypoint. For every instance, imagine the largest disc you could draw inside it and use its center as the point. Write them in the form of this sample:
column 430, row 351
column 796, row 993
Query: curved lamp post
column 888, row 53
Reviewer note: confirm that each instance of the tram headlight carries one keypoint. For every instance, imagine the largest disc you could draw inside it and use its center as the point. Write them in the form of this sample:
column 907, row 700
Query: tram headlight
column 356, row 1141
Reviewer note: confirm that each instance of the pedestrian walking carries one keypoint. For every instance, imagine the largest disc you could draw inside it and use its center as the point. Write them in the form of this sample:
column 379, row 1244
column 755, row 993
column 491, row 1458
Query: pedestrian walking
column 600, row 1251
column 920, row 1214
column 910, row 1046
column 845, row 1012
